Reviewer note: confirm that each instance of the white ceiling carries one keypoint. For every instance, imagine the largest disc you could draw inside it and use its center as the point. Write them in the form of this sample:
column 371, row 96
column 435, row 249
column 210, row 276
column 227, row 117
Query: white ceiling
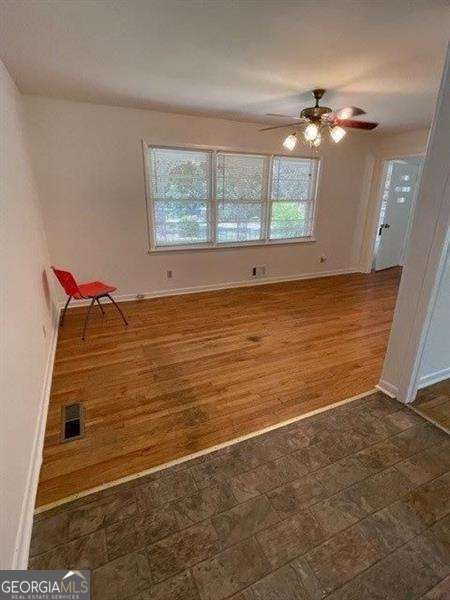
column 236, row 59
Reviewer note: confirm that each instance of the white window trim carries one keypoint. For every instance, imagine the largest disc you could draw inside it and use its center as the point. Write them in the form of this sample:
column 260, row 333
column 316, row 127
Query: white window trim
column 214, row 245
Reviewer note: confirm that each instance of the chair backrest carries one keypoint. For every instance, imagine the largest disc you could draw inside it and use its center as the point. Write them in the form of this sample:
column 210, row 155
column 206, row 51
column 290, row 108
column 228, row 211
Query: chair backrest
column 67, row 280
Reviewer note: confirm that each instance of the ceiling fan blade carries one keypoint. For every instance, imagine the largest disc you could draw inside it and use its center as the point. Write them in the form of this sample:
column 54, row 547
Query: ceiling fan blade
column 282, row 116
column 278, row 126
column 355, row 124
column 347, row 112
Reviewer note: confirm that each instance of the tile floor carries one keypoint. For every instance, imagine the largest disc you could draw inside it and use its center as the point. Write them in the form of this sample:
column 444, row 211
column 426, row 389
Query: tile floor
column 353, row 503
column 434, row 402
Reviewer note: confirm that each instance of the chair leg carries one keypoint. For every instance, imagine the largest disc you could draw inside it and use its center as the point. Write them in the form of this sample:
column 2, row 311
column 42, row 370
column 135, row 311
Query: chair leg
column 118, row 308
column 61, row 321
column 87, row 317
column 101, row 307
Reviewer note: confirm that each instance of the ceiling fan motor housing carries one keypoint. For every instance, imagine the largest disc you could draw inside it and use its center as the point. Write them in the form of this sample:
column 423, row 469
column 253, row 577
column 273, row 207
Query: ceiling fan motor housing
column 315, row 113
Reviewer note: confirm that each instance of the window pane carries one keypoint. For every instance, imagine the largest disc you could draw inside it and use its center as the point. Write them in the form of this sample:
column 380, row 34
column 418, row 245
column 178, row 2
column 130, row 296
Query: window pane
column 240, row 177
column 180, row 174
column 293, row 187
column 290, row 220
column 181, row 223
column 239, row 222
column 293, row 179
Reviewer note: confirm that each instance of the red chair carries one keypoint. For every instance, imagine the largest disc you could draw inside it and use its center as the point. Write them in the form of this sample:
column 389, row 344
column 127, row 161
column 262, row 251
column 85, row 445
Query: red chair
column 93, row 290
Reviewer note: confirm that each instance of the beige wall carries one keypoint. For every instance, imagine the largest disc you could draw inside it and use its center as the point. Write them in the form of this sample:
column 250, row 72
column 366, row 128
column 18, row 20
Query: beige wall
column 89, row 166
column 27, row 330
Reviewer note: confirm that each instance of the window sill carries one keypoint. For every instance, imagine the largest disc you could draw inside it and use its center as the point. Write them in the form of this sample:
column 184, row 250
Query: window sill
column 224, row 246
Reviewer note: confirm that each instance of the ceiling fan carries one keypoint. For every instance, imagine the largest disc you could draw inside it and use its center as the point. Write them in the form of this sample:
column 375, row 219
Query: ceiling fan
column 317, row 120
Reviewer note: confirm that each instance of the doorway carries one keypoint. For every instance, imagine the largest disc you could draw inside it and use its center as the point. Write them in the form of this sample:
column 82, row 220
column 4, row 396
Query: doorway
column 401, row 177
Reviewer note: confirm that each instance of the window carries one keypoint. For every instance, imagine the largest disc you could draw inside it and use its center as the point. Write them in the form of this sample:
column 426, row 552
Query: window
column 181, row 196
column 241, row 197
column 293, row 189
column 207, row 198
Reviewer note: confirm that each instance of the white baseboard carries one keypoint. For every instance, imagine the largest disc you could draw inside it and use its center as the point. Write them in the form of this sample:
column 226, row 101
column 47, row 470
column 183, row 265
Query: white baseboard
column 220, row 286
column 433, row 377
column 23, row 537
column 387, row 388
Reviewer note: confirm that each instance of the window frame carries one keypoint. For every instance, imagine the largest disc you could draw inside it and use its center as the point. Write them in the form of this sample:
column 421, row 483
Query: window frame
column 213, row 223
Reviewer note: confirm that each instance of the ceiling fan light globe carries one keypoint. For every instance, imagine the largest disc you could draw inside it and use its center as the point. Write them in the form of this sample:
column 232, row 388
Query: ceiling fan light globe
column 338, row 133
column 311, row 132
column 290, row 142
column 317, row 140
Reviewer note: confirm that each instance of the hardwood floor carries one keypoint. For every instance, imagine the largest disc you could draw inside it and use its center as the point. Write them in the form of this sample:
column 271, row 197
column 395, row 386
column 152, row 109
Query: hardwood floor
column 196, row 370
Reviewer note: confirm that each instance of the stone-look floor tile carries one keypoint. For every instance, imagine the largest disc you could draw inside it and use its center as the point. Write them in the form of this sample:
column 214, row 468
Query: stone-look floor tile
column 204, row 504
column 259, row 450
column 344, row 556
column 305, row 433
column 413, row 440
column 217, row 470
column 266, row 477
column 426, row 465
column 441, row 531
column 290, row 538
column 342, row 474
column 404, row 419
column 122, row 578
column 117, row 507
column 293, row 497
column 244, row 520
column 415, row 569
column 431, row 500
column 392, row 526
column 374, row 429
column 140, row 532
column 182, row 550
column 336, row 513
column 230, row 571
column 294, row 581
column 88, row 552
column 180, row 587
column 433, row 551
column 380, row 456
column 338, row 446
column 171, row 486
column 440, row 592
column 65, row 526
column 379, row 490
column 244, row 595
column 312, row 458
column 382, row 581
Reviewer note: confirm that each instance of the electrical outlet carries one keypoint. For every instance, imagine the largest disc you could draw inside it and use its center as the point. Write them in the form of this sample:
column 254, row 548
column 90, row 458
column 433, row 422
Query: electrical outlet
column 323, row 259
column 169, row 274
column 259, row 271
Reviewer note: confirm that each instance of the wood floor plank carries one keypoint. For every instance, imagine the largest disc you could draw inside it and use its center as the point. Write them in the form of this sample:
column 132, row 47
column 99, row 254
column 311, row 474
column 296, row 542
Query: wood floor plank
column 197, row 370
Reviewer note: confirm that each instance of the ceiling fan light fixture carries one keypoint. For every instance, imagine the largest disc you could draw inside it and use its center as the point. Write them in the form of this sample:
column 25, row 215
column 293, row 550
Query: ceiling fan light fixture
column 290, row 142
column 311, row 132
column 337, row 133
column 317, row 140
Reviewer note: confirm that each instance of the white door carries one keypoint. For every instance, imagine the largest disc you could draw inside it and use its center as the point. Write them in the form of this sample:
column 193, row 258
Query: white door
column 401, row 177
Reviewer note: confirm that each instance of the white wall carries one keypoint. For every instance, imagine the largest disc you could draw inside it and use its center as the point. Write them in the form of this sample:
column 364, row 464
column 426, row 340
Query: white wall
column 26, row 308
column 89, row 166
column 435, row 363
column 419, row 286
